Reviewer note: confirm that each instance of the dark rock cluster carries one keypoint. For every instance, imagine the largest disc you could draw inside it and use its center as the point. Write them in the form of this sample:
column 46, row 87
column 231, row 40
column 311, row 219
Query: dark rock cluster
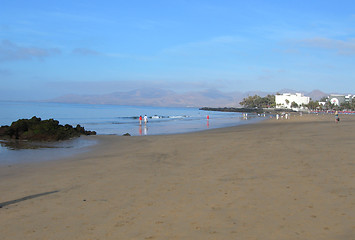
column 35, row 129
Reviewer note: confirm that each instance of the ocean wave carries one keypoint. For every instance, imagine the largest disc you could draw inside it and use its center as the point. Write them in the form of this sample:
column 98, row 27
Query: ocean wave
column 183, row 116
column 154, row 117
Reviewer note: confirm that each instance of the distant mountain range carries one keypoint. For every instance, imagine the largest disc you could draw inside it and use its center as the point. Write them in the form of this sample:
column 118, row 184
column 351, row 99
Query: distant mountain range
column 168, row 98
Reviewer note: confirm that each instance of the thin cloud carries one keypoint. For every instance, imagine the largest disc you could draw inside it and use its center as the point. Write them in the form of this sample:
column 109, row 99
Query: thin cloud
column 10, row 51
column 203, row 47
column 79, row 18
column 129, row 56
column 90, row 52
column 85, row 52
column 343, row 47
column 287, row 51
column 224, row 39
column 5, row 72
column 149, row 24
column 4, row 27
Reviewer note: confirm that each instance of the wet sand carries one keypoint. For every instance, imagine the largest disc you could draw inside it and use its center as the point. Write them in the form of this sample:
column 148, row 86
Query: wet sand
column 286, row 179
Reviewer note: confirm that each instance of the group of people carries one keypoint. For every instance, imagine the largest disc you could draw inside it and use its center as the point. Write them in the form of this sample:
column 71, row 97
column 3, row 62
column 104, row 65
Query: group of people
column 145, row 119
column 286, row 115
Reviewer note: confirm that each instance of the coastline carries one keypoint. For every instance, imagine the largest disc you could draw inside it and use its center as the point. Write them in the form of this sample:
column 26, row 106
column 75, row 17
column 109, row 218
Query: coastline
column 116, row 119
column 20, row 152
column 286, row 179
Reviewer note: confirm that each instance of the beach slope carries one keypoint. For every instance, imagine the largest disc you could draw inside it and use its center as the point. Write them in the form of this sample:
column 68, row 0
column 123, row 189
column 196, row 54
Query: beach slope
column 286, row 179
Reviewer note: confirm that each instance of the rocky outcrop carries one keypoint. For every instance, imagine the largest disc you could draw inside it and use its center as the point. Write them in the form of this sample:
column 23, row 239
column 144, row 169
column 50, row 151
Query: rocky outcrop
column 35, row 129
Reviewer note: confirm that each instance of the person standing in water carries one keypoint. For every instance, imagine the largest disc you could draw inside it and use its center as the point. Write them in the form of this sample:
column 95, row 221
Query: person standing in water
column 140, row 120
column 145, row 119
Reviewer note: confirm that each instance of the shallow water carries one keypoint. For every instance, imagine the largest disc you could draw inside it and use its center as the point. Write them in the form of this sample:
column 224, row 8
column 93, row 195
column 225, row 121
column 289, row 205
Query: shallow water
column 39, row 152
column 107, row 119
column 114, row 119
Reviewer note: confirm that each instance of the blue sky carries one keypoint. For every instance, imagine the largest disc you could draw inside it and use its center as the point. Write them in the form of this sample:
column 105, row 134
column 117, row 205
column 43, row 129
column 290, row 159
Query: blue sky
column 51, row 48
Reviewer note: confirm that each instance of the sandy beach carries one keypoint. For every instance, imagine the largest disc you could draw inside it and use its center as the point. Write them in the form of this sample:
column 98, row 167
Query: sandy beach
column 286, row 179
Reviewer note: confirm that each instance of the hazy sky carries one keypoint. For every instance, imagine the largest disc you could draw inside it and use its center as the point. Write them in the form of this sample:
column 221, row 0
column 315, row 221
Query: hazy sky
column 50, row 48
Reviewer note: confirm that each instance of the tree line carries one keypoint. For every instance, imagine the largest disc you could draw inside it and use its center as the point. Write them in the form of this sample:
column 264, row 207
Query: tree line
column 259, row 102
column 269, row 102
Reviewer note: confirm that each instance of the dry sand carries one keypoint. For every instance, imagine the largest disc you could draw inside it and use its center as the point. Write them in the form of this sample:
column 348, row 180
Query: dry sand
column 281, row 179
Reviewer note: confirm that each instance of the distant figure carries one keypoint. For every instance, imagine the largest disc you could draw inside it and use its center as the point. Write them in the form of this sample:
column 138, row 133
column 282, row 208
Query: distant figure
column 140, row 120
column 208, row 117
column 145, row 119
column 337, row 119
column 286, row 116
column 277, row 116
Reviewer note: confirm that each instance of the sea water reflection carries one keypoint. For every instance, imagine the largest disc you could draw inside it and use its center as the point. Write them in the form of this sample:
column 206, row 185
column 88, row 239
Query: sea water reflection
column 24, row 152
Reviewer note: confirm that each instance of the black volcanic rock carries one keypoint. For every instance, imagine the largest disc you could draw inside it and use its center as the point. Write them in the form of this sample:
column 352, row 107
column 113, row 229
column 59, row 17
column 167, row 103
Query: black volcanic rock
column 35, row 129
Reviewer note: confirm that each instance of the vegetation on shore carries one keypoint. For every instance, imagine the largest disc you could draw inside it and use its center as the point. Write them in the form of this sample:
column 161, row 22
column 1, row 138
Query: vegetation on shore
column 259, row 102
column 246, row 110
column 35, row 129
column 269, row 102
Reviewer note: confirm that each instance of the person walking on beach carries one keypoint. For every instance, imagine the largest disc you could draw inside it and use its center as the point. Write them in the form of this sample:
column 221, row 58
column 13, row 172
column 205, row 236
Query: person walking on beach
column 140, row 120
column 145, row 119
column 337, row 119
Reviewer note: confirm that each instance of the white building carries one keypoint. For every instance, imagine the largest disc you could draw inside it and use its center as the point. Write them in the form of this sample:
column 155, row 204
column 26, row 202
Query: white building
column 338, row 99
column 285, row 100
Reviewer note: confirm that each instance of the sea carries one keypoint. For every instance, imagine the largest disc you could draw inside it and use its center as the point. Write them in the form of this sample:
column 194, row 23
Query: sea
column 106, row 120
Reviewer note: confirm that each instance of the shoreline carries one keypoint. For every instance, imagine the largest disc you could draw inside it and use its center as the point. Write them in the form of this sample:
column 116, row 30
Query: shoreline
column 285, row 179
column 38, row 151
column 101, row 140
column 108, row 119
